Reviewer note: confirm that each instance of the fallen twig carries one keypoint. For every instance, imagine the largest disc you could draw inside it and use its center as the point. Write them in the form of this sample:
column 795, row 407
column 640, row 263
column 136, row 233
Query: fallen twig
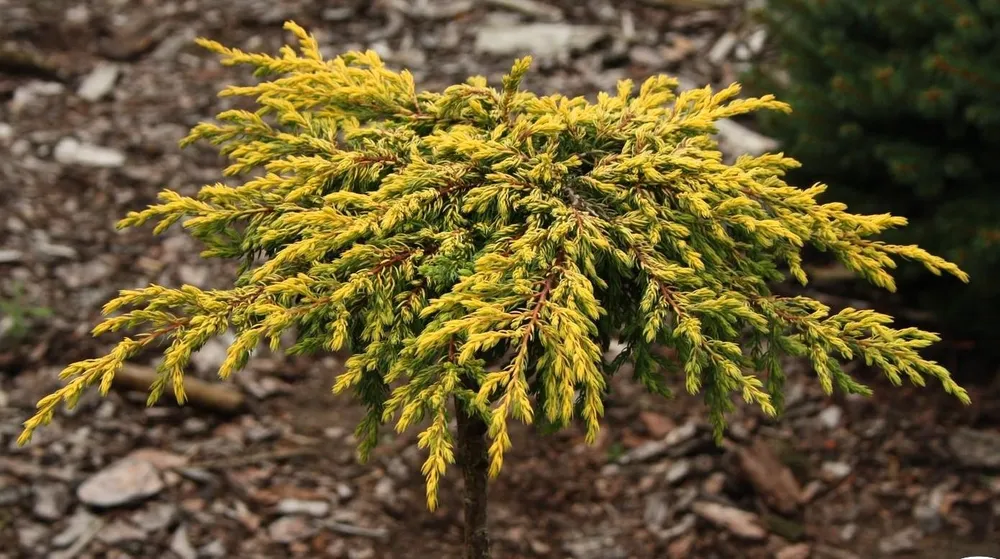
column 216, row 397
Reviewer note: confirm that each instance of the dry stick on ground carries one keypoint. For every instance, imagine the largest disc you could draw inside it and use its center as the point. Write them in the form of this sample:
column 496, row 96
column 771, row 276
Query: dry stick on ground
column 216, row 397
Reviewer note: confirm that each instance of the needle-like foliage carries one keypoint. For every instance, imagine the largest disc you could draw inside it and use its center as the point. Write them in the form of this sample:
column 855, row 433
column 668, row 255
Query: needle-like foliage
column 484, row 246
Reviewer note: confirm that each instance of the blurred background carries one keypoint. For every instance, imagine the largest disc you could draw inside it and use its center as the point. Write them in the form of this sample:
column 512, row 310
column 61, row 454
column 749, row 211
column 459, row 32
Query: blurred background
column 897, row 106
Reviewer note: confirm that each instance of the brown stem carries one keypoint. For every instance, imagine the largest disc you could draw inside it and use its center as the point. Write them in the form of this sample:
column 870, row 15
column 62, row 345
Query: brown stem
column 474, row 461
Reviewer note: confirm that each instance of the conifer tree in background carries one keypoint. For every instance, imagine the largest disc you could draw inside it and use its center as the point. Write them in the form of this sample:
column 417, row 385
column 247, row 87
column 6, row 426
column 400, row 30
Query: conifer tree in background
column 897, row 108
column 477, row 250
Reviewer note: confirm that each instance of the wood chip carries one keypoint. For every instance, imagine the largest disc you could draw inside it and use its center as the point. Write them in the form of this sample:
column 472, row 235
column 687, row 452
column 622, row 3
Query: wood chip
column 740, row 522
column 773, row 480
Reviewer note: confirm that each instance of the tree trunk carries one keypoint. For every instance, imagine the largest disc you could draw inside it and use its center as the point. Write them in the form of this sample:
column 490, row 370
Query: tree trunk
column 473, row 458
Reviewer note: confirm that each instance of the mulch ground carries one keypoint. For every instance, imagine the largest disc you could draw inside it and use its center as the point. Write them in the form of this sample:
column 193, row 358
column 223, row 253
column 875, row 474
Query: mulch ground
column 93, row 99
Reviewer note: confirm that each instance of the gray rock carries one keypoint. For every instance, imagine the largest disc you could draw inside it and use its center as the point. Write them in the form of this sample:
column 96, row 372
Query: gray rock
column 6, row 132
column 99, row 82
column 835, row 471
column 338, row 14
column 596, row 547
column 51, row 250
column 308, row 508
column 397, row 469
column 904, row 540
column 344, row 491
column 120, row 532
column 657, row 511
column 85, row 274
column 125, row 482
column 210, row 357
column 288, row 529
column 31, row 92
column 214, row 548
column 544, row 40
column 740, row 522
column 70, row 151
column 362, row 551
column 193, row 275
column 678, row 471
column 181, row 545
column 830, row 417
column 51, row 501
column 385, row 490
column 976, row 448
column 82, row 522
column 30, row 536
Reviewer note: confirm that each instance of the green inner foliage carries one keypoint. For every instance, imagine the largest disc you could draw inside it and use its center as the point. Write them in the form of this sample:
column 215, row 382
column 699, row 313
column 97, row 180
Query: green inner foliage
column 897, row 107
column 483, row 246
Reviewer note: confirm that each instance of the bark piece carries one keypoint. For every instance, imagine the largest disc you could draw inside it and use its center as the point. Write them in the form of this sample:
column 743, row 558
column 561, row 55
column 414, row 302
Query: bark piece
column 740, row 522
column 772, row 479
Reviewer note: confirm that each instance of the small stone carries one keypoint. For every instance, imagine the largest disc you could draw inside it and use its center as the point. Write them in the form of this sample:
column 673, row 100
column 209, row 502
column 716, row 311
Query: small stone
column 84, row 274
column 70, row 151
column 181, row 545
column 30, row 92
column 53, row 250
column 797, row 551
column 124, row 482
column 976, row 448
column 120, row 532
column 215, row 548
column 740, row 522
column 210, row 357
column 51, row 501
column 385, row 490
column 721, row 49
column 193, row 275
column 835, row 471
column 155, row 516
column 194, row 426
column 288, row 529
column 544, row 40
column 656, row 511
column 337, row 14
column 364, row 552
column 595, row 547
column 848, row 532
column 904, row 540
column 99, row 82
column 344, row 491
column 678, row 471
column 300, row 506
column 830, row 417
column 397, row 469
column 540, row 547
column 6, row 132
column 30, row 536
column 79, row 524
